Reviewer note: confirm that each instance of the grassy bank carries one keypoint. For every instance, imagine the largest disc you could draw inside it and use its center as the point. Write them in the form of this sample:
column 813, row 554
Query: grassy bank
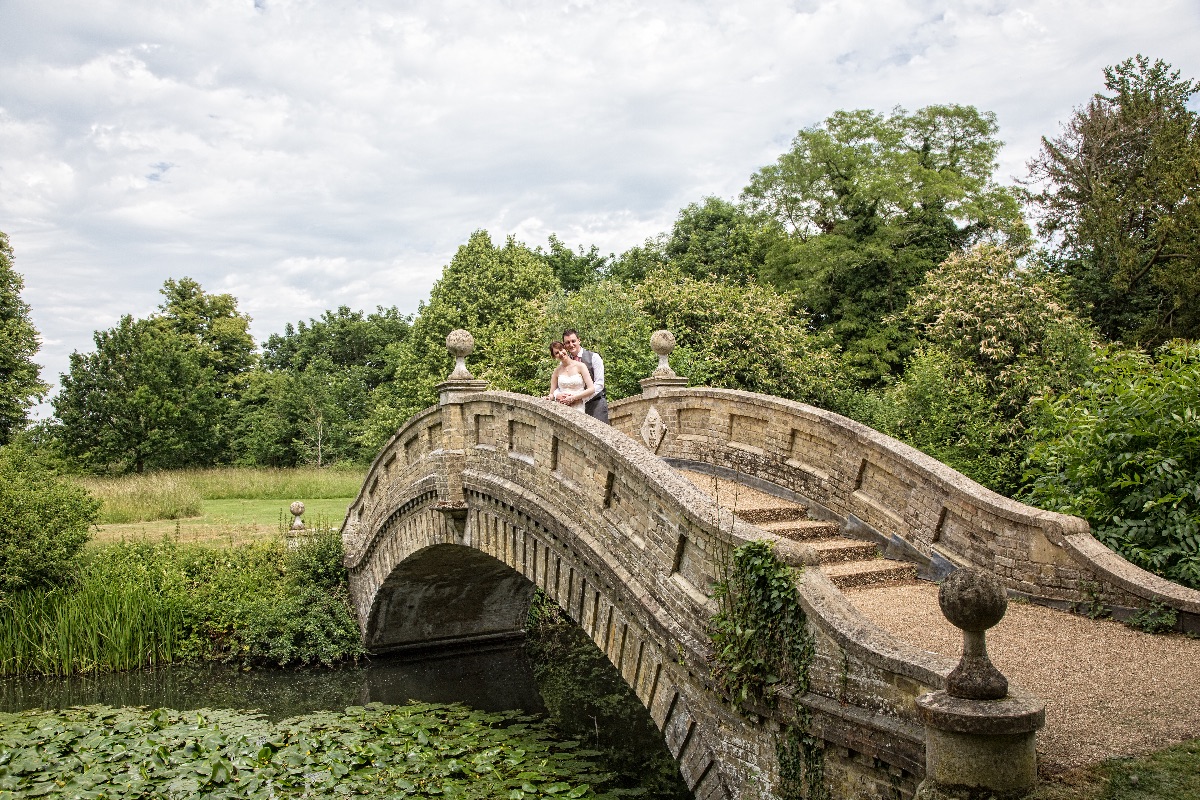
column 188, row 493
column 1171, row 773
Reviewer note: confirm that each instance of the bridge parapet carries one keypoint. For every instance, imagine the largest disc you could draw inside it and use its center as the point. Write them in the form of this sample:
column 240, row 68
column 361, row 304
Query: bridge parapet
column 914, row 506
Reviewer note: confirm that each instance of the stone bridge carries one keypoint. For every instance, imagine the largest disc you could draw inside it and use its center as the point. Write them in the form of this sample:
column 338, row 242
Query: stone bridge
column 488, row 495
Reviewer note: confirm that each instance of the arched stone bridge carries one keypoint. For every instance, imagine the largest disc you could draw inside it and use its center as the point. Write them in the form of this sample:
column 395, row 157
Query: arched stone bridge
column 482, row 498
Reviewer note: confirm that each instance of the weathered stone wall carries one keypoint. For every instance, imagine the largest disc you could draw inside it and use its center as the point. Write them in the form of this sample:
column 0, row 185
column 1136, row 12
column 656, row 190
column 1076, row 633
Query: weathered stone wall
column 912, row 504
column 630, row 550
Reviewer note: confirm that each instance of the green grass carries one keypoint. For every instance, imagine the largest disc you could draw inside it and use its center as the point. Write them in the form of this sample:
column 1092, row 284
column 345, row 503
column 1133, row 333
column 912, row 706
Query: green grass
column 1171, row 773
column 229, row 505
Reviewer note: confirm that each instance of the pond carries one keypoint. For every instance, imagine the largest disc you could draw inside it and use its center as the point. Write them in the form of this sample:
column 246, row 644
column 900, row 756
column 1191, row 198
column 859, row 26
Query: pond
column 557, row 672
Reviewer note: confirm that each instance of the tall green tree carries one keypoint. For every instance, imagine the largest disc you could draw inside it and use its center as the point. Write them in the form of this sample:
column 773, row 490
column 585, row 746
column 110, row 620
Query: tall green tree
column 344, row 338
column 717, row 239
column 1121, row 196
column 482, row 290
column 575, row 268
column 220, row 332
column 20, row 382
column 143, row 400
column 871, row 203
column 994, row 335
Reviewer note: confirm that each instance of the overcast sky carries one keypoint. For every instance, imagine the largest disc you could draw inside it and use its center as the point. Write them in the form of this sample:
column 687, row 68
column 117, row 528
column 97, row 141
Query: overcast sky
column 305, row 155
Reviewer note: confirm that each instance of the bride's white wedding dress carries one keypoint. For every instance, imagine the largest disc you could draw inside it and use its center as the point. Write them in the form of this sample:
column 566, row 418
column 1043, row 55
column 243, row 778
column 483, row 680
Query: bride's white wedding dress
column 570, row 384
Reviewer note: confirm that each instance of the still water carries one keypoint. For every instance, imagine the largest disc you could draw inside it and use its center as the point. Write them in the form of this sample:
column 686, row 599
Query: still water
column 557, row 672
column 496, row 680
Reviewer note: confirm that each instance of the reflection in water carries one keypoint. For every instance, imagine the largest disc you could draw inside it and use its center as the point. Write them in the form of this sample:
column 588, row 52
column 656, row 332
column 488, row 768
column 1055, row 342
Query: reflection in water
column 496, row 680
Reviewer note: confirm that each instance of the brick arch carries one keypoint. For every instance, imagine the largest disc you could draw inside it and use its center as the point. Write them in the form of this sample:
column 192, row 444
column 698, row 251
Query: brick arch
column 469, row 578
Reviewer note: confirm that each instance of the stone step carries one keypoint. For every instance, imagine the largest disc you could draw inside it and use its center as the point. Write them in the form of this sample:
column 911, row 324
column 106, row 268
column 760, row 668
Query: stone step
column 775, row 512
column 877, row 572
column 802, row 529
column 841, row 549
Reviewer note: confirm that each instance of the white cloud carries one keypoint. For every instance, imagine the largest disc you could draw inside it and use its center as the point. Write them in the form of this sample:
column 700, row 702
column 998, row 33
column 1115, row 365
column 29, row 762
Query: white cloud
column 303, row 155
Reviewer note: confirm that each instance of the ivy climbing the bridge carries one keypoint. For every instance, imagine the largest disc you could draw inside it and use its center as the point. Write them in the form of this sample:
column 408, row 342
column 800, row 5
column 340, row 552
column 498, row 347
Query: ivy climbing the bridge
column 760, row 634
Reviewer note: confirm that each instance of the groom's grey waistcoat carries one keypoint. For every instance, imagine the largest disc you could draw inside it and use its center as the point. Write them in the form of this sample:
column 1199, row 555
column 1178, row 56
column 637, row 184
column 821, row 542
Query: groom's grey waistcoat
column 586, row 357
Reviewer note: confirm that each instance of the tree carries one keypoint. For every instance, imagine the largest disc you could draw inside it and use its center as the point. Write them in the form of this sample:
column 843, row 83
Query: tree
column 1121, row 196
column 20, row 383
column 220, row 332
column 993, row 336
column 143, row 399
column 871, row 203
column 717, row 239
column 574, row 270
column 343, row 338
column 741, row 337
column 44, row 522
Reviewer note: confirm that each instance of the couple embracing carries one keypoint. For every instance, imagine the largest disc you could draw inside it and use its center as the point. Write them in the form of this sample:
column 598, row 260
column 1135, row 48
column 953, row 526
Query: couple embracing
column 578, row 380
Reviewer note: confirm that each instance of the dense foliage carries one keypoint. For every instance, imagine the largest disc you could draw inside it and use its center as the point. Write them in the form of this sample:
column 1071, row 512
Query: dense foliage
column 44, row 522
column 1123, row 451
column 871, row 203
column 418, row 750
column 760, row 634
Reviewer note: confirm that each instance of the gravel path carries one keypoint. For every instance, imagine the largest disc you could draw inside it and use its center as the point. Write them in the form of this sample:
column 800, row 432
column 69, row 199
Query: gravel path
column 1109, row 690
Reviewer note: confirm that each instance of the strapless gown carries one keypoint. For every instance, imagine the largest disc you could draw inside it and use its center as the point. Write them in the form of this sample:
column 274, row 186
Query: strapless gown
column 571, row 384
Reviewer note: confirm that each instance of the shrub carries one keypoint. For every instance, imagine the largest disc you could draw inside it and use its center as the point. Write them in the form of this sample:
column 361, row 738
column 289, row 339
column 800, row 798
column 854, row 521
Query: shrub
column 1123, row 452
column 44, row 522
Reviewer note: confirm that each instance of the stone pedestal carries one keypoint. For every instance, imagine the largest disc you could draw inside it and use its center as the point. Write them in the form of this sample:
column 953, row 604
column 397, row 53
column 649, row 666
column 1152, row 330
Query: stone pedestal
column 652, row 386
column 979, row 735
column 977, row 749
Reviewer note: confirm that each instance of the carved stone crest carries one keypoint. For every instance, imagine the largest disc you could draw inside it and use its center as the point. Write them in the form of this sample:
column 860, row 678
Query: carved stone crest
column 653, row 429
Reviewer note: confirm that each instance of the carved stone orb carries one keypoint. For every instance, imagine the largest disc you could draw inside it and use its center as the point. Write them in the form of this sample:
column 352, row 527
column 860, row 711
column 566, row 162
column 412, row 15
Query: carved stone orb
column 297, row 509
column 662, row 342
column 972, row 599
column 460, row 343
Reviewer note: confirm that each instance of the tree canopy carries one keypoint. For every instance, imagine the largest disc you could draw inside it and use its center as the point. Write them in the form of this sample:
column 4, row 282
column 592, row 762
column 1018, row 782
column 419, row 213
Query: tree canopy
column 143, row 399
column 1121, row 194
column 872, row 202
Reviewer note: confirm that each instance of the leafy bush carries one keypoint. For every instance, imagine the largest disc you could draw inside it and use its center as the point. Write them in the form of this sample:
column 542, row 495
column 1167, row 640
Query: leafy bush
column 1123, row 452
column 44, row 522
column 943, row 408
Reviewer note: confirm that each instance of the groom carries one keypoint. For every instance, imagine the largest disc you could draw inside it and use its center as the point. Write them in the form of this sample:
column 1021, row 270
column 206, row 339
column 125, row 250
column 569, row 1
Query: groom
column 598, row 406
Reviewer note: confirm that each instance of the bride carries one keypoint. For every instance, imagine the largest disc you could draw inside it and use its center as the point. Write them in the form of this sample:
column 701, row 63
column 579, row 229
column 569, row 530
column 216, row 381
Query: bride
column 571, row 383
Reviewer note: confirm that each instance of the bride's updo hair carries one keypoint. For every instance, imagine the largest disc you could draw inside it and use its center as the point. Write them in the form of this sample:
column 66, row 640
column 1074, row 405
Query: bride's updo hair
column 555, row 347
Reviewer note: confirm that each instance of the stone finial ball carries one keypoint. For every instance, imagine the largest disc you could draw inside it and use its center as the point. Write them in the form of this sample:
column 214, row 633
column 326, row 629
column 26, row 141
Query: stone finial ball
column 662, row 342
column 972, row 599
column 297, row 508
column 460, row 343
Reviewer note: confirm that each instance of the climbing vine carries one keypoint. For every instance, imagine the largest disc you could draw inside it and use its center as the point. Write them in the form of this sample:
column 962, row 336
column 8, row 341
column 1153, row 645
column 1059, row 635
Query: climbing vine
column 760, row 634
column 761, row 642
column 801, row 762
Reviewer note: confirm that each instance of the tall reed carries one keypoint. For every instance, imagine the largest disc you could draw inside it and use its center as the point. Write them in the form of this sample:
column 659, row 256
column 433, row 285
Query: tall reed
column 95, row 626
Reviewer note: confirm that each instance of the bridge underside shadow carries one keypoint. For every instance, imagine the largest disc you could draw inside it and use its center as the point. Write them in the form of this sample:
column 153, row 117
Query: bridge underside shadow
column 447, row 596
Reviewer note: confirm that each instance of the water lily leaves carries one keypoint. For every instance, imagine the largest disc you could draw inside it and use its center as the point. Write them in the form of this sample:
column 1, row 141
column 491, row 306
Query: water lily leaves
column 445, row 751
